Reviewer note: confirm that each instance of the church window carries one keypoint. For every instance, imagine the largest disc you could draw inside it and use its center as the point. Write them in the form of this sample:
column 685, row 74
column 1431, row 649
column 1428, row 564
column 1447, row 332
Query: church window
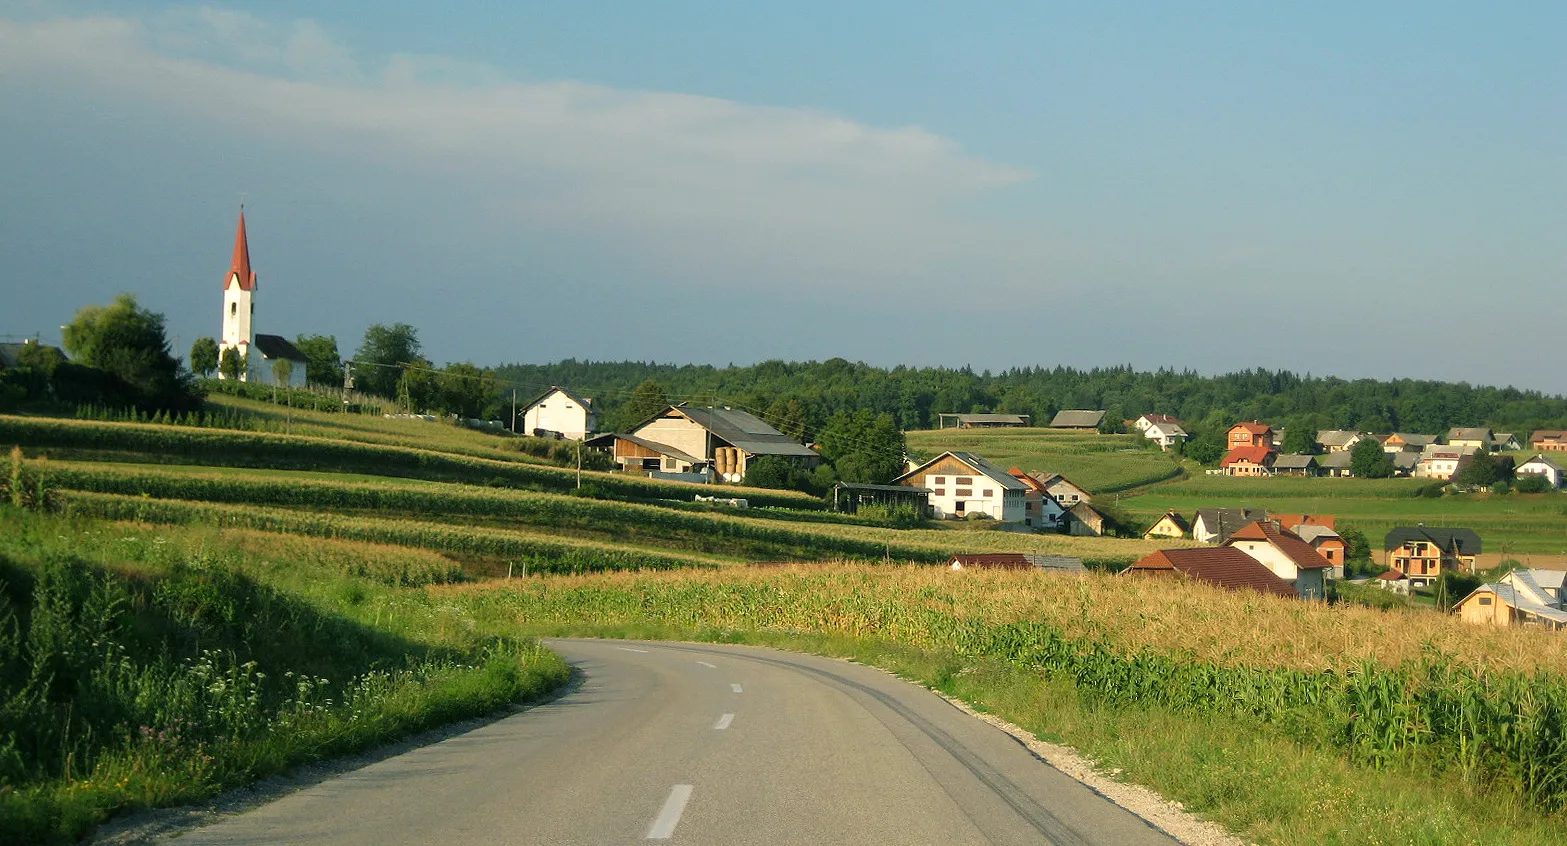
column 233, row 309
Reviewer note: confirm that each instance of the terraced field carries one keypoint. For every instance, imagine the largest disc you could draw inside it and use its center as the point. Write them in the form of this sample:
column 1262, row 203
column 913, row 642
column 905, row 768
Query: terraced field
column 1100, row 463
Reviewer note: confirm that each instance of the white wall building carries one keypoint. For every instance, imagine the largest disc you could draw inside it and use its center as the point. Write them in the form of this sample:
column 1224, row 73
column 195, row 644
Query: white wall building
column 1542, row 466
column 559, row 413
column 963, row 484
column 239, row 307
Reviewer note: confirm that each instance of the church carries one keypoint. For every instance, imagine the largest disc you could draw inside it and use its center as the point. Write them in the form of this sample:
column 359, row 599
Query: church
column 259, row 352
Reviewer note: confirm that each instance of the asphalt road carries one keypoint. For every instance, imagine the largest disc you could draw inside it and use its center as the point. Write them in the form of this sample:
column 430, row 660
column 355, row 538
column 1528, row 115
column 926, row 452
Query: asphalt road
column 704, row 744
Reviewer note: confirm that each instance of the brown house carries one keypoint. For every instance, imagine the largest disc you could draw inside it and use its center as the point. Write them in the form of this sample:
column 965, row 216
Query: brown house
column 1251, row 435
column 1554, row 440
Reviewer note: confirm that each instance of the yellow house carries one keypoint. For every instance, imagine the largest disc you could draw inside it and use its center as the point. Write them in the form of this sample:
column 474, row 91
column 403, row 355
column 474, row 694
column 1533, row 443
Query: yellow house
column 1521, row 598
column 1171, row 525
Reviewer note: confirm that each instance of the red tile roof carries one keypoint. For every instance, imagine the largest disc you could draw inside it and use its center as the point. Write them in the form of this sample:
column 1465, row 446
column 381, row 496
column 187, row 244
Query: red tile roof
column 241, row 264
column 1223, row 566
column 1161, row 418
column 1287, row 542
column 1288, row 522
column 1391, row 576
column 1254, row 454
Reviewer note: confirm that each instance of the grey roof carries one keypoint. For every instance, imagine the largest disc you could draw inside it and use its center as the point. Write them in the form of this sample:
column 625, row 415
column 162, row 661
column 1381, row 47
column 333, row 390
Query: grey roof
column 585, row 402
column 983, row 466
column 1308, row 532
column 1470, row 433
column 1078, row 419
column 661, row 449
column 1465, row 541
column 1542, row 459
column 746, row 431
column 1416, row 440
column 1405, row 460
column 9, row 353
column 1056, row 562
column 1336, row 437
column 861, row 486
column 1338, row 460
column 1008, row 419
column 1294, row 461
column 277, row 346
column 1227, row 521
column 1521, row 601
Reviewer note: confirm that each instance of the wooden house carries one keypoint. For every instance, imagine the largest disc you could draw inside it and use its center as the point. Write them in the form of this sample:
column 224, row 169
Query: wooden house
column 1521, row 598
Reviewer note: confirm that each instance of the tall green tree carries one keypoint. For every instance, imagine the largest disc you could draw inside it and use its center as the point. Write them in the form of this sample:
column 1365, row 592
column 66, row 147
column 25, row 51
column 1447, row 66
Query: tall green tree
column 464, row 390
column 1482, row 470
column 1207, row 447
column 1300, row 438
column 128, row 343
column 417, row 389
column 204, row 356
column 382, row 356
column 282, row 372
column 1367, row 460
column 231, row 364
column 323, row 364
column 646, row 400
column 864, row 446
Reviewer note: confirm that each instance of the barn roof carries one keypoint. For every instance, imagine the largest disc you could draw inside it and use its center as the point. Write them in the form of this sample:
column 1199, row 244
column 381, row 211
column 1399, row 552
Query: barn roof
column 1077, row 419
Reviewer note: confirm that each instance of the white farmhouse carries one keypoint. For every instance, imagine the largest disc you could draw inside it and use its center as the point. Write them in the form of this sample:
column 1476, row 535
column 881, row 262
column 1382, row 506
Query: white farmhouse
column 1441, row 461
column 559, row 413
column 1166, row 435
column 1542, row 466
column 963, row 484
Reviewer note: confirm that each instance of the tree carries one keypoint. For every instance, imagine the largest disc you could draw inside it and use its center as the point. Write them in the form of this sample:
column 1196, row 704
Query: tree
column 1206, row 448
column 382, row 356
column 282, row 372
column 464, row 390
column 1357, row 547
column 417, row 389
column 1482, row 470
column 323, row 365
column 40, row 357
column 127, row 342
column 1299, row 438
column 1532, row 483
column 1367, row 460
column 232, row 365
column 204, row 356
column 646, row 400
column 863, row 446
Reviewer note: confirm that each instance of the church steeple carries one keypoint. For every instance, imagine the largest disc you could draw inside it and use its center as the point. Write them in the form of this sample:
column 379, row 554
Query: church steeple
column 240, row 271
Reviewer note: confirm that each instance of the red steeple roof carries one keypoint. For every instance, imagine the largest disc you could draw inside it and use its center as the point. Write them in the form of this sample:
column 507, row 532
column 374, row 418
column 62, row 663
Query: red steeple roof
column 241, row 265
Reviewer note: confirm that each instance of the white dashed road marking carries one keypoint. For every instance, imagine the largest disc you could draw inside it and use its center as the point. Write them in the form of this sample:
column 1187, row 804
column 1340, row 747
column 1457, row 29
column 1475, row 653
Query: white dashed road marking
column 664, row 827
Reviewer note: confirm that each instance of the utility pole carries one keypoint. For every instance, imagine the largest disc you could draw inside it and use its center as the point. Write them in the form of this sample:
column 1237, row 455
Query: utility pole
column 579, row 461
column 514, row 410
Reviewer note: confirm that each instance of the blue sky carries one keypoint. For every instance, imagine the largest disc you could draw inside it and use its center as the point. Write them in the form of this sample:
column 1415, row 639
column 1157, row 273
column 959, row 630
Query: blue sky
column 1348, row 189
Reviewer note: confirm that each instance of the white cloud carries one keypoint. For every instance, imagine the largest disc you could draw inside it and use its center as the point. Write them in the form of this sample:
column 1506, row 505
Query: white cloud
column 716, row 186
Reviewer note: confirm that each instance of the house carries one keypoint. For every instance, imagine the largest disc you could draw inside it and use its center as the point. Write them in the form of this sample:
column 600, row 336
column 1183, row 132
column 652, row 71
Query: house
column 1170, row 525
column 847, row 497
column 1081, row 420
column 1404, row 463
column 559, row 413
column 1539, row 465
column 1223, row 567
column 1337, row 464
column 1295, row 464
column 1252, row 434
column 1393, row 581
column 1166, row 435
column 1338, row 440
column 1423, row 553
column 1082, row 520
column 1478, row 437
column 982, row 421
column 275, row 348
column 1441, row 461
column 1505, row 441
column 1040, row 509
column 1141, row 424
column 725, row 439
column 1550, row 440
column 962, row 484
column 1409, row 442
column 1520, row 598
column 1248, row 461
column 640, row 455
column 1318, row 530
column 1283, row 552
column 1015, row 561
column 1063, row 489
column 1215, row 525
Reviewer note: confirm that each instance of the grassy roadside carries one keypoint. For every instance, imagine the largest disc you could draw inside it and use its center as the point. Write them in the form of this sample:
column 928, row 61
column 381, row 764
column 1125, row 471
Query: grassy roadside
column 143, row 668
column 1279, row 776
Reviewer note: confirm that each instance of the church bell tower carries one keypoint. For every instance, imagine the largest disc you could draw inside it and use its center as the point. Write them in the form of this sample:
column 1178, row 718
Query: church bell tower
column 239, row 291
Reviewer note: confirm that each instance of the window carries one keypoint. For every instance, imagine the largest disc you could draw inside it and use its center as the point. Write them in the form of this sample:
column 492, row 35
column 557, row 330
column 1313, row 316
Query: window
column 1485, row 600
column 961, row 492
column 964, row 480
column 939, row 480
column 233, row 309
column 940, row 492
column 989, row 492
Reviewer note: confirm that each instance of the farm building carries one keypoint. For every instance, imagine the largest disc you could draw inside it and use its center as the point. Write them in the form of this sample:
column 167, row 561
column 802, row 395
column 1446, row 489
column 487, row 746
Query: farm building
column 1083, row 520
column 1015, row 561
column 1520, row 598
column 1222, row 566
column 848, row 497
column 1065, row 491
column 559, row 413
column 275, row 348
column 1078, row 419
column 1392, row 581
column 962, row 484
column 1294, row 464
column 981, row 421
column 1338, row 440
column 1170, row 525
column 639, row 455
column 1423, row 553
column 724, row 438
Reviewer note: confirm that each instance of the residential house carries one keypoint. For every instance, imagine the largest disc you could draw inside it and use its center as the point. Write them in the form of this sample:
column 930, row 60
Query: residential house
column 1336, row 464
column 1215, row 525
column 1338, row 440
column 1392, row 581
column 1295, row 464
column 1520, row 598
column 1166, row 435
column 275, row 348
column 962, row 484
column 1142, row 423
column 1409, row 442
column 1087, row 421
column 1248, row 461
column 1505, row 442
column 1441, row 461
column 1478, row 437
column 1171, row 525
column 1223, row 566
column 1015, row 561
column 1319, row 531
column 1404, row 463
column 1539, row 465
column 1041, row 510
column 1063, row 489
column 1252, row 434
column 1283, row 552
column 1423, row 553
column 640, row 455
column 1550, row 440
column 982, row 421
column 1083, row 520
column 559, row 413
column 726, row 439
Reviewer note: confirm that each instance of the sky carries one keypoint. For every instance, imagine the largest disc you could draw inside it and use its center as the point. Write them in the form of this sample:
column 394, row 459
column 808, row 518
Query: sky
column 1350, row 189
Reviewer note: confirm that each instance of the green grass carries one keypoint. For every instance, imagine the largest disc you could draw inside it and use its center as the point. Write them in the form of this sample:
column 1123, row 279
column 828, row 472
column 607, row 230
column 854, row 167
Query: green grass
column 1100, row 463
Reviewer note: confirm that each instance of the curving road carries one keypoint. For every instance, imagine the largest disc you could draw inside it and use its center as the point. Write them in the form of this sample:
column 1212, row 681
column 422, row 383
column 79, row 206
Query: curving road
column 709, row 744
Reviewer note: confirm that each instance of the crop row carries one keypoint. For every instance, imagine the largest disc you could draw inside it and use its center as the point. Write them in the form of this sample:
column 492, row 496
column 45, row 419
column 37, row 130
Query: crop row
column 536, row 554
column 298, row 452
